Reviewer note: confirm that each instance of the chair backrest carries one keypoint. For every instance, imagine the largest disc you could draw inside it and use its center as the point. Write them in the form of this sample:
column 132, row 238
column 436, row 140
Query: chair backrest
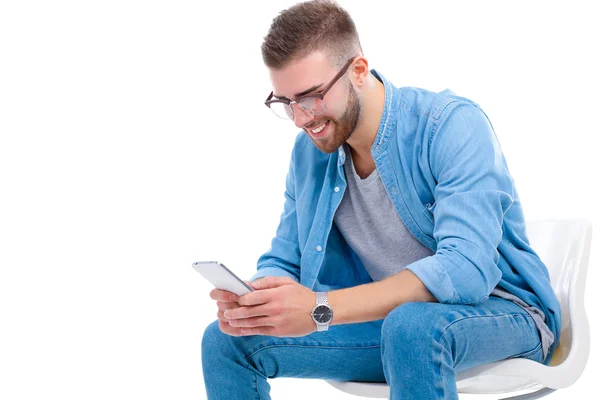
column 564, row 247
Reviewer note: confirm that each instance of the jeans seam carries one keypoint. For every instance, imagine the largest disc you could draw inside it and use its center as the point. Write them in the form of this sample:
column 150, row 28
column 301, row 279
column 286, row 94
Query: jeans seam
column 478, row 316
column 440, row 366
column 320, row 347
column 255, row 379
column 526, row 353
column 452, row 323
column 530, row 352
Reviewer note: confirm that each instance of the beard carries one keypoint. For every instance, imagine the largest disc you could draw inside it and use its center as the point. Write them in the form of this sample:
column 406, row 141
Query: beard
column 342, row 128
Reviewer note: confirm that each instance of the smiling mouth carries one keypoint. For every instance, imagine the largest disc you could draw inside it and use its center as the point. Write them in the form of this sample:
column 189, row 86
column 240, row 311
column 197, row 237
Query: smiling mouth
column 319, row 128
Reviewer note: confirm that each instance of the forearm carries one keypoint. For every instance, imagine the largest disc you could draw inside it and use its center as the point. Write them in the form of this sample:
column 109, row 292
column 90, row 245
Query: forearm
column 373, row 301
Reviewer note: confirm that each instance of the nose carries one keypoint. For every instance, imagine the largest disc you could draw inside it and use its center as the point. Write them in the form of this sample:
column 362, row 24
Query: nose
column 301, row 118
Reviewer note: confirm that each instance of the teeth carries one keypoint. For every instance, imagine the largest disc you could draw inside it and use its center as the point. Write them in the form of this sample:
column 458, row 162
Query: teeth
column 320, row 128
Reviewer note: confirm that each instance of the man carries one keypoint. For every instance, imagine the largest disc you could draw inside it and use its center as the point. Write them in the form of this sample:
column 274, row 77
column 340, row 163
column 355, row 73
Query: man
column 401, row 255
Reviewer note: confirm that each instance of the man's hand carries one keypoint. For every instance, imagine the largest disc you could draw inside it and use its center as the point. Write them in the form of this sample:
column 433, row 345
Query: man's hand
column 278, row 307
column 226, row 301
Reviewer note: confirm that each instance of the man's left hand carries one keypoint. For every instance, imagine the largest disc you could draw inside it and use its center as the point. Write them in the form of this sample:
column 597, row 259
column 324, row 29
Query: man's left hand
column 279, row 306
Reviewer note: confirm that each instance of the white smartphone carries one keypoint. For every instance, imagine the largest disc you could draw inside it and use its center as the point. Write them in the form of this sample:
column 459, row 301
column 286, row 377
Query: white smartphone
column 221, row 277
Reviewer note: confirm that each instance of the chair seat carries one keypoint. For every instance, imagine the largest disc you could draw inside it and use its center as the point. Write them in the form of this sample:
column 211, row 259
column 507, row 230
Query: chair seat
column 494, row 378
column 475, row 384
column 490, row 384
column 364, row 389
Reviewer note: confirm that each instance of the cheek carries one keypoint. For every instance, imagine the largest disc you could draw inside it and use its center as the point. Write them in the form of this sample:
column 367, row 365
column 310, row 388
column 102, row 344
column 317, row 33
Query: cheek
column 332, row 111
column 335, row 105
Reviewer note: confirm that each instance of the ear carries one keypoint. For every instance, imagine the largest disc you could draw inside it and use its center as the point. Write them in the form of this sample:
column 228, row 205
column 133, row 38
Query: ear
column 359, row 70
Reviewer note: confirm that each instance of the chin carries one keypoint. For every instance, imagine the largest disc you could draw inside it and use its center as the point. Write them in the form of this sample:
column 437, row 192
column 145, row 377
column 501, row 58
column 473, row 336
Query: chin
column 326, row 147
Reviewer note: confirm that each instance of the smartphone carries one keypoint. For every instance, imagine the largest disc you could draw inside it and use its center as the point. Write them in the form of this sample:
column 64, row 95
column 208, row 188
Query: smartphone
column 221, row 277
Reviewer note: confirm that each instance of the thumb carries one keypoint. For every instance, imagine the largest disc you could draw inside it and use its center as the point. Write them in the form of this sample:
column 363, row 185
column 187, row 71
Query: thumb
column 269, row 282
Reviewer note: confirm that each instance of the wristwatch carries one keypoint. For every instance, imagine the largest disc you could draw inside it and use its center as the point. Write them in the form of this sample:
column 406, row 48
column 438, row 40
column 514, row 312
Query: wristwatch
column 322, row 314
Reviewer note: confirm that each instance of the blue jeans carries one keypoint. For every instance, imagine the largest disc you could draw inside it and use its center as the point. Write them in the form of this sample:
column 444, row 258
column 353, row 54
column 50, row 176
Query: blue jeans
column 417, row 349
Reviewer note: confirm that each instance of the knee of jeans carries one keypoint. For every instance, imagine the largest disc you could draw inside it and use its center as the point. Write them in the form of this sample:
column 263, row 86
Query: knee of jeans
column 412, row 324
column 214, row 342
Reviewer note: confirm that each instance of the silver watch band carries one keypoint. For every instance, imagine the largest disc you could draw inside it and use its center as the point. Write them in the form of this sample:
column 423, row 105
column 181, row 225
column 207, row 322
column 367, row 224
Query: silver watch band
column 322, row 298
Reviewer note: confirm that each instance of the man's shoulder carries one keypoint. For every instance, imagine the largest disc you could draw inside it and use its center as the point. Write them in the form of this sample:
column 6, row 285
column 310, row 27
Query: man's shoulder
column 423, row 102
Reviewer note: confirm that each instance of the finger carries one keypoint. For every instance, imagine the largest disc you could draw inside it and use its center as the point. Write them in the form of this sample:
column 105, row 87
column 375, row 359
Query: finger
column 255, row 298
column 221, row 316
column 234, row 331
column 227, row 305
column 252, row 322
column 228, row 329
column 223, row 295
column 248, row 312
column 261, row 330
column 224, row 306
column 272, row 281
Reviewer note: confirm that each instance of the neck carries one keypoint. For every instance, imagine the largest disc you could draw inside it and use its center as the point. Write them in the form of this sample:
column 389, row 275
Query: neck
column 373, row 98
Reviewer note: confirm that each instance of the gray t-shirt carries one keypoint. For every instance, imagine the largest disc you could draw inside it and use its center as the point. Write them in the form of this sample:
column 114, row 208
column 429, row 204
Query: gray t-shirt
column 370, row 224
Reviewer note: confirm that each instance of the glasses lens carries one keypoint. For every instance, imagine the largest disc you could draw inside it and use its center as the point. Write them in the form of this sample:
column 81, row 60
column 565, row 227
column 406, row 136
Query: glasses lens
column 313, row 105
column 282, row 110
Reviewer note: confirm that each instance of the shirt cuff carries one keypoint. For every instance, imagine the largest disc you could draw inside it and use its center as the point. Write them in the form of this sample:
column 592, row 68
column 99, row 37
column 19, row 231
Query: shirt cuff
column 272, row 271
column 434, row 276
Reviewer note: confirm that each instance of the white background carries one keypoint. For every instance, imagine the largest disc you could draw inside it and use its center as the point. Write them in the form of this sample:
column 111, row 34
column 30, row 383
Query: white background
column 134, row 141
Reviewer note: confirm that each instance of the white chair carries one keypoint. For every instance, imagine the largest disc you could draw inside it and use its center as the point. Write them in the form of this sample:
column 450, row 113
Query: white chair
column 564, row 246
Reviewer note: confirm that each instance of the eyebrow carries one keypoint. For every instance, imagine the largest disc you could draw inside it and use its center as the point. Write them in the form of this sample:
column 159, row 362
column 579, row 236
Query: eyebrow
column 307, row 91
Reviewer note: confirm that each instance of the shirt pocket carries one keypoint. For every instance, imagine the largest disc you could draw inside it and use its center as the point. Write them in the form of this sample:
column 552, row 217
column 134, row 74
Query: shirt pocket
column 428, row 211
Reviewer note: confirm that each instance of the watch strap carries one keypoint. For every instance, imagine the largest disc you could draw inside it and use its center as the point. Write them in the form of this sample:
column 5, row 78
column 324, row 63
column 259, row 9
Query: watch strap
column 322, row 298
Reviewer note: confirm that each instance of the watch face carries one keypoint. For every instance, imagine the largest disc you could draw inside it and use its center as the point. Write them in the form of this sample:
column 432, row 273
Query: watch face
column 322, row 314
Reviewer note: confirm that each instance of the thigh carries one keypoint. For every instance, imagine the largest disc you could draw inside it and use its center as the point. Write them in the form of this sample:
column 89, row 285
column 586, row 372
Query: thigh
column 496, row 329
column 472, row 335
column 343, row 352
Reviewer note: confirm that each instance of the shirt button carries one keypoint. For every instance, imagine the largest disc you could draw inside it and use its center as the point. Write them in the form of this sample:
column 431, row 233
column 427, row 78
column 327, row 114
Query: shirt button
column 336, row 189
column 319, row 248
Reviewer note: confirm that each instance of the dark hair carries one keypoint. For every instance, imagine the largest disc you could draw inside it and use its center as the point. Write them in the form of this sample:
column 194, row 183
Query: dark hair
column 318, row 25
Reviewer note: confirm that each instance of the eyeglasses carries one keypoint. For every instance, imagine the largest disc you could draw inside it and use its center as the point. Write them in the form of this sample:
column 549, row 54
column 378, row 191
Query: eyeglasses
column 312, row 104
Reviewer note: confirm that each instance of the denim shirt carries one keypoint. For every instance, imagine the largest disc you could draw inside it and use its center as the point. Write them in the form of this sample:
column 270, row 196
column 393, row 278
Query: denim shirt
column 443, row 168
